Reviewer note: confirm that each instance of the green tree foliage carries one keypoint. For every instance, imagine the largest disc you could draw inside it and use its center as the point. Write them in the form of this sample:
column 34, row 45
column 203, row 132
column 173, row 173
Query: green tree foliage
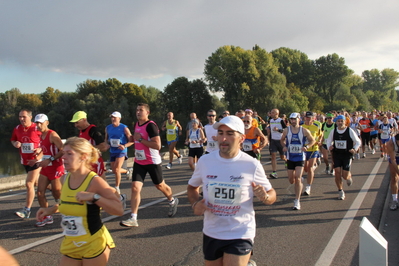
column 330, row 72
column 49, row 99
column 248, row 78
column 380, row 88
column 295, row 66
column 183, row 97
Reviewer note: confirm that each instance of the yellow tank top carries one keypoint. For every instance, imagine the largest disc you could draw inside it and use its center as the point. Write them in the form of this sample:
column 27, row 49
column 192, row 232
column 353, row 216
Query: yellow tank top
column 171, row 131
column 78, row 219
column 315, row 131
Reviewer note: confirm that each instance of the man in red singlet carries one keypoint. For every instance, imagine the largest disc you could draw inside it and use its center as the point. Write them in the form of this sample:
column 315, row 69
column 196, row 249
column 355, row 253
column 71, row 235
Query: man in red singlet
column 26, row 138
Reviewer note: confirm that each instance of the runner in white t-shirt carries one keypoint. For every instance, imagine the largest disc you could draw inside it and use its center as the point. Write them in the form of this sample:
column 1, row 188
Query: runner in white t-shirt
column 230, row 179
column 211, row 133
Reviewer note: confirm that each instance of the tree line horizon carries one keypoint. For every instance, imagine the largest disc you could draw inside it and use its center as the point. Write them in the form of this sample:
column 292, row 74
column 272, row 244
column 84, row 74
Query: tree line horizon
column 283, row 78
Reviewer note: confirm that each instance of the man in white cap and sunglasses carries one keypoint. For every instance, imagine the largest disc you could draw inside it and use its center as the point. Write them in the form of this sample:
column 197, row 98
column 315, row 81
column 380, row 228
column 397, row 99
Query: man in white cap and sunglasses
column 230, row 180
column 296, row 140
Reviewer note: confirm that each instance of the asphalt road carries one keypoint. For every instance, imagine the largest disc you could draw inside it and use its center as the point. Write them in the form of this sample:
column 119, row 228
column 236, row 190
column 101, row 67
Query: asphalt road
column 324, row 232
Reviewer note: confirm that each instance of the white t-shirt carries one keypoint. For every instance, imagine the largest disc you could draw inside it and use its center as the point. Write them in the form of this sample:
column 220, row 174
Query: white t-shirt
column 211, row 145
column 228, row 193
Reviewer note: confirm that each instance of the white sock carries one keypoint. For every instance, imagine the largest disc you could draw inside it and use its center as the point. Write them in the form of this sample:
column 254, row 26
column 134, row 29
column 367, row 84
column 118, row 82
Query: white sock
column 395, row 197
column 172, row 201
column 134, row 216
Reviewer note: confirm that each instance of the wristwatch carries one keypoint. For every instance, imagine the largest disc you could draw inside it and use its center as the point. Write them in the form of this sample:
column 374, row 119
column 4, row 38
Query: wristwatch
column 95, row 198
column 52, row 158
column 140, row 140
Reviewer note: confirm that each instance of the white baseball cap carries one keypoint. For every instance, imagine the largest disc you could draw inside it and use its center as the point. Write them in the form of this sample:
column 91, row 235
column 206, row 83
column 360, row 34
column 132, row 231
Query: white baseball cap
column 116, row 114
column 41, row 118
column 295, row 115
column 233, row 122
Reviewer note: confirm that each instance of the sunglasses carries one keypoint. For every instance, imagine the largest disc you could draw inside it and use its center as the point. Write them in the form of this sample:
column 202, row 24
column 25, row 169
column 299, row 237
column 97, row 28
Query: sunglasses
column 211, row 115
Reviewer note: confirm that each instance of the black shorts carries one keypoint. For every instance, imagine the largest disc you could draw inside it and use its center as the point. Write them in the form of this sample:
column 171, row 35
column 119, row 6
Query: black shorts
column 291, row 165
column 275, row 146
column 193, row 152
column 215, row 248
column 252, row 154
column 365, row 137
column 140, row 171
column 342, row 160
column 30, row 168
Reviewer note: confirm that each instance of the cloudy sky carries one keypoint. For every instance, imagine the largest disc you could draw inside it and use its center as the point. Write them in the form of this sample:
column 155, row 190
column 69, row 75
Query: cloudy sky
column 60, row 44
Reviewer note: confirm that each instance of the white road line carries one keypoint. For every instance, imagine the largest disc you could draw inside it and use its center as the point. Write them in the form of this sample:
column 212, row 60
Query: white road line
column 109, row 218
column 12, row 195
column 335, row 242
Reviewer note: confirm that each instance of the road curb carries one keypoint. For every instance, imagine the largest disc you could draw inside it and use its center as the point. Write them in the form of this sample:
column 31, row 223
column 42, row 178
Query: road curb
column 16, row 181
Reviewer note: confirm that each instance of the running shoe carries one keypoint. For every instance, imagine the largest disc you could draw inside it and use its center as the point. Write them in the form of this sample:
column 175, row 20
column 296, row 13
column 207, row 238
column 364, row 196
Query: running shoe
column 332, row 172
column 373, row 151
column 394, row 205
column 168, row 166
column 307, row 191
column 364, row 155
column 341, row 195
column 129, row 222
column 273, row 175
column 46, row 220
column 382, row 155
column 173, row 207
column 129, row 174
column 349, row 182
column 357, row 156
column 251, row 263
column 123, row 200
column 327, row 169
column 23, row 213
column 318, row 161
column 385, row 157
column 180, row 159
column 297, row 205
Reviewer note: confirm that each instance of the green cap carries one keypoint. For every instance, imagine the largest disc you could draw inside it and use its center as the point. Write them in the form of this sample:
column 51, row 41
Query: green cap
column 78, row 115
column 329, row 115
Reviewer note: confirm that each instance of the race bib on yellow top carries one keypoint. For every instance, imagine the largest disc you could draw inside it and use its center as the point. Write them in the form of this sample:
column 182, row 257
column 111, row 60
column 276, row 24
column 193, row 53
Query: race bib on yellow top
column 73, row 226
column 140, row 155
column 224, row 199
column 170, row 131
column 27, row 147
column 115, row 142
column 295, row 148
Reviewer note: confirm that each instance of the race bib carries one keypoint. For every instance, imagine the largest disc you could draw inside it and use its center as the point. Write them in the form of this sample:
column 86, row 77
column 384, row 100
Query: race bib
column 140, row 155
column 27, row 147
column 73, row 226
column 247, row 145
column 364, row 126
column 295, row 148
column 170, row 131
column 115, row 142
column 212, row 144
column 385, row 134
column 45, row 157
column 340, row 144
column 224, row 199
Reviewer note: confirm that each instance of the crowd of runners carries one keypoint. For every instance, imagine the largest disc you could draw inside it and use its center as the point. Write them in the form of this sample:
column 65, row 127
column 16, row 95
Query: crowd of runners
column 229, row 173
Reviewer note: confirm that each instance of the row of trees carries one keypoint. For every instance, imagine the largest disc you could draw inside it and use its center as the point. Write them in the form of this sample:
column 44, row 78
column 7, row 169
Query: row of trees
column 284, row 78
